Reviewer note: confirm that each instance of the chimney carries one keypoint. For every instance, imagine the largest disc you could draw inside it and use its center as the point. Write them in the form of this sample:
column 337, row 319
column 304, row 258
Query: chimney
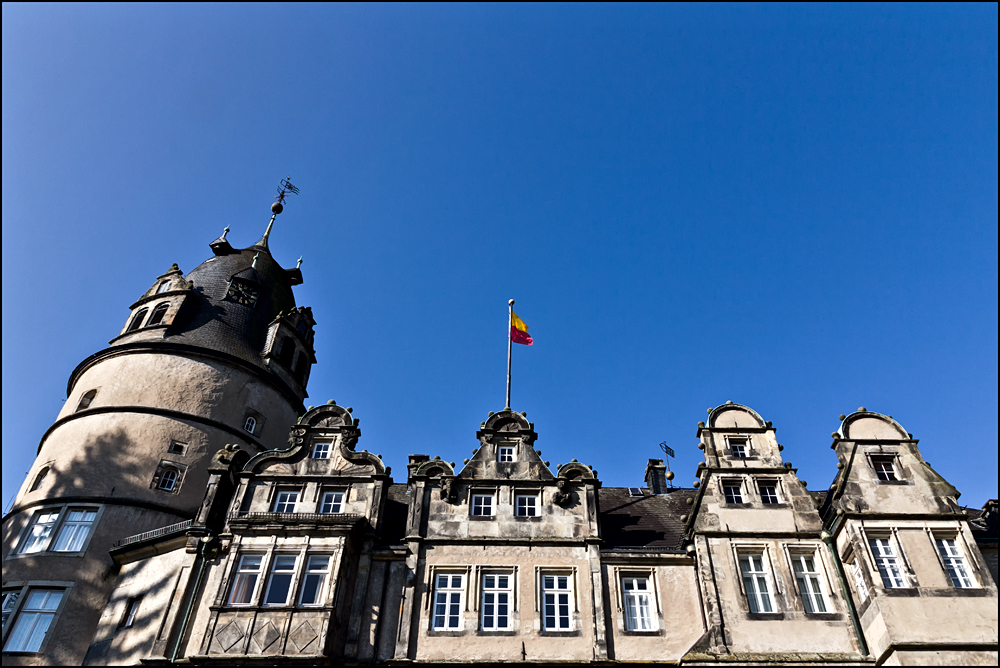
column 656, row 476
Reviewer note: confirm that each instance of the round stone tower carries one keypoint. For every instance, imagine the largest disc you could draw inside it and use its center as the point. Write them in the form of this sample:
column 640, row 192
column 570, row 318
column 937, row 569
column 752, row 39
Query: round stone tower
column 221, row 355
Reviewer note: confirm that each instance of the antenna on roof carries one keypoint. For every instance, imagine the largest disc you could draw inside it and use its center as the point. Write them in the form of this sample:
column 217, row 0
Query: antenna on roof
column 668, row 452
column 284, row 189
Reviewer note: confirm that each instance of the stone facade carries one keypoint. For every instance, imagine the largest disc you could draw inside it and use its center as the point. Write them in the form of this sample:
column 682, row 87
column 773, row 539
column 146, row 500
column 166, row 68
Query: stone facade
column 185, row 506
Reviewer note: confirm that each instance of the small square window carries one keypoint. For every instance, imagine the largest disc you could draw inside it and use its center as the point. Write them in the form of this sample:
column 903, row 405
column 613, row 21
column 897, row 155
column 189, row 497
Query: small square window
column 505, row 453
column 768, row 493
column 332, row 502
column 321, row 451
column 885, row 468
column 285, row 502
column 176, row 447
column 733, row 493
column 738, row 447
column 482, row 505
column 526, row 505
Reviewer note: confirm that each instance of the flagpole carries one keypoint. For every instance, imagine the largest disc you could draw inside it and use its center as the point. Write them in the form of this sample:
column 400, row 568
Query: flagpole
column 510, row 324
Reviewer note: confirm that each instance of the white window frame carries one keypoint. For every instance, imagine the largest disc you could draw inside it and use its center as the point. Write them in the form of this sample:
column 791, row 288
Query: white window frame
column 331, row 499
column 34, row 640
column 10, row 599
column 72, row 527
column 162, row 484
column 757, row 582
column 276, row 573
column 534, row 506
column 881, row 459
column 743, row 442
column 244, row 573
column 131, row 611
column 773, row 484
column 888, row 562
column 807, row 569
column 954, row 562
column 32, row 541
column 314, row 572
column 449, row 601
column 638, row 603
column 60, row 518
column 478, row 507
column 857, row 570
column 281, row 498
column 322, row 450
column 250, row 424
column 729, row 484
column 492, row 597
column 559, row 600
column 506, row 454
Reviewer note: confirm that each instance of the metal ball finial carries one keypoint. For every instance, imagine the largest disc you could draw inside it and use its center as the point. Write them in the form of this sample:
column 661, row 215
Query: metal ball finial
column 276, row 208
column 510, row 301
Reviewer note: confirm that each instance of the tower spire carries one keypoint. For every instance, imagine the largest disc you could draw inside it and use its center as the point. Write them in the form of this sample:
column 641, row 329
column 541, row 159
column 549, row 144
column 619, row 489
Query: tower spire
column 284, row 189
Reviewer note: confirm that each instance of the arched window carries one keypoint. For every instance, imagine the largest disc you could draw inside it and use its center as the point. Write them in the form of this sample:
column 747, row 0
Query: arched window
column 251, row 424
column 163, row 287
column 86, row 400
column 301, row 364
column 168, row 479
column 286, row 352
column 137, row 320
column 39, row 478
column 157, row 316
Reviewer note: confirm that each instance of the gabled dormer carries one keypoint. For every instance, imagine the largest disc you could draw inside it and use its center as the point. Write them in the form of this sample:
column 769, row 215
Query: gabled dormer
column 881, row 470
column 289, row 348
column 736, row 436
column 156, row 310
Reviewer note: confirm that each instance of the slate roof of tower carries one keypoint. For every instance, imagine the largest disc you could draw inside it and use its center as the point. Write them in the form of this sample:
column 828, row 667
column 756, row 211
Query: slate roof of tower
column 647, row 521
column 241, row 331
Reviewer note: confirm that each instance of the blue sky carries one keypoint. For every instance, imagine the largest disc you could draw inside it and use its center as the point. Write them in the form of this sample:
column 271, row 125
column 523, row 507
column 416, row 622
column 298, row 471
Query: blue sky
column 791, row 207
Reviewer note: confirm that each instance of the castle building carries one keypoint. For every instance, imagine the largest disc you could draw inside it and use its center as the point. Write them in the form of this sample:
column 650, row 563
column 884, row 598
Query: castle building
column 186, row 506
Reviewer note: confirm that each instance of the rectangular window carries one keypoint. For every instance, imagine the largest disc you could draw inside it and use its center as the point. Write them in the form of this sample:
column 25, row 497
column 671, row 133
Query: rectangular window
column 755, row 582
column 733, row 493
column 332, row 502
column 131, row 610
column 74, row 530
column 638, row 599
column 505, row 453
column 859, row 579
column 526, row 505
column 285, row 502
column 37, row 536
column 954, row 563
column 482, row 505
column 321, row 451
column 448, row 602
column 884, row 468
column 280, row 582
column 768, row 493
column 738, row 447
column 887, row 563
column 34, row 620
column 496, row 601
column 808, row 578
column 245, row 581
column 317, row 568
column 555, row 602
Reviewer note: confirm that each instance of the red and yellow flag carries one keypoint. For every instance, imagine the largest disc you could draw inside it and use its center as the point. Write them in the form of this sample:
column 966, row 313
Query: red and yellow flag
column 519, row 330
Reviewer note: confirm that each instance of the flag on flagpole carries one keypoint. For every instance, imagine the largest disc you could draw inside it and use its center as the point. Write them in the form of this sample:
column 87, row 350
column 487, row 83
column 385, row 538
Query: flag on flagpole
column 519, row 330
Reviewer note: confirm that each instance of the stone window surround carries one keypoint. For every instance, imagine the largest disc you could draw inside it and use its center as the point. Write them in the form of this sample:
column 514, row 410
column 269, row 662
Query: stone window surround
column 740, row 481
column 751, row 452
column 536, row 493
column 162, row 467
column 476, row 596
column 442, row 569
column 268, row 553
column 47, row 552
column 828, row 592
column 872, row 451
column 778, row 603
column 974, row 566
column 483, row 490
column 575, row 624
column 779, row 488
column 891, row 533
column 649, row 572
column 25, row 587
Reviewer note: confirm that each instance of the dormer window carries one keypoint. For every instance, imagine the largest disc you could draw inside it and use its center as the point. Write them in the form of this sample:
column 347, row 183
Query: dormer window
column 738, row 448
column 162, row 287
column 321, row 451
column 168, row 480
column 250, row 425
column 157, row 316
column 885, row 468
column 505, row 453
column 137, row 320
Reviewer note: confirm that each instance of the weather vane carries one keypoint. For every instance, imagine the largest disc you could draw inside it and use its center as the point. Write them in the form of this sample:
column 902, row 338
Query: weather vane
column 276, row 208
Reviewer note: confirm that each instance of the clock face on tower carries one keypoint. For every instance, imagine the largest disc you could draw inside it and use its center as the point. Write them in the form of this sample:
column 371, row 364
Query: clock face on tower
column 242, row 292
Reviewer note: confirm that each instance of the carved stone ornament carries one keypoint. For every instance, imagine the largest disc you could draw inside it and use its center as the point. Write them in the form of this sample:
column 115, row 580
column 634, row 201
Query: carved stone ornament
column 448, row 491
column 561, row 497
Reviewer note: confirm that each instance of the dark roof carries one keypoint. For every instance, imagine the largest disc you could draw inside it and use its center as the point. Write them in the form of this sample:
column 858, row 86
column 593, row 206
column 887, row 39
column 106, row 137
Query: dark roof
column 983, row 521
column 647, row 521
column 393, row 521
column 211, row 322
